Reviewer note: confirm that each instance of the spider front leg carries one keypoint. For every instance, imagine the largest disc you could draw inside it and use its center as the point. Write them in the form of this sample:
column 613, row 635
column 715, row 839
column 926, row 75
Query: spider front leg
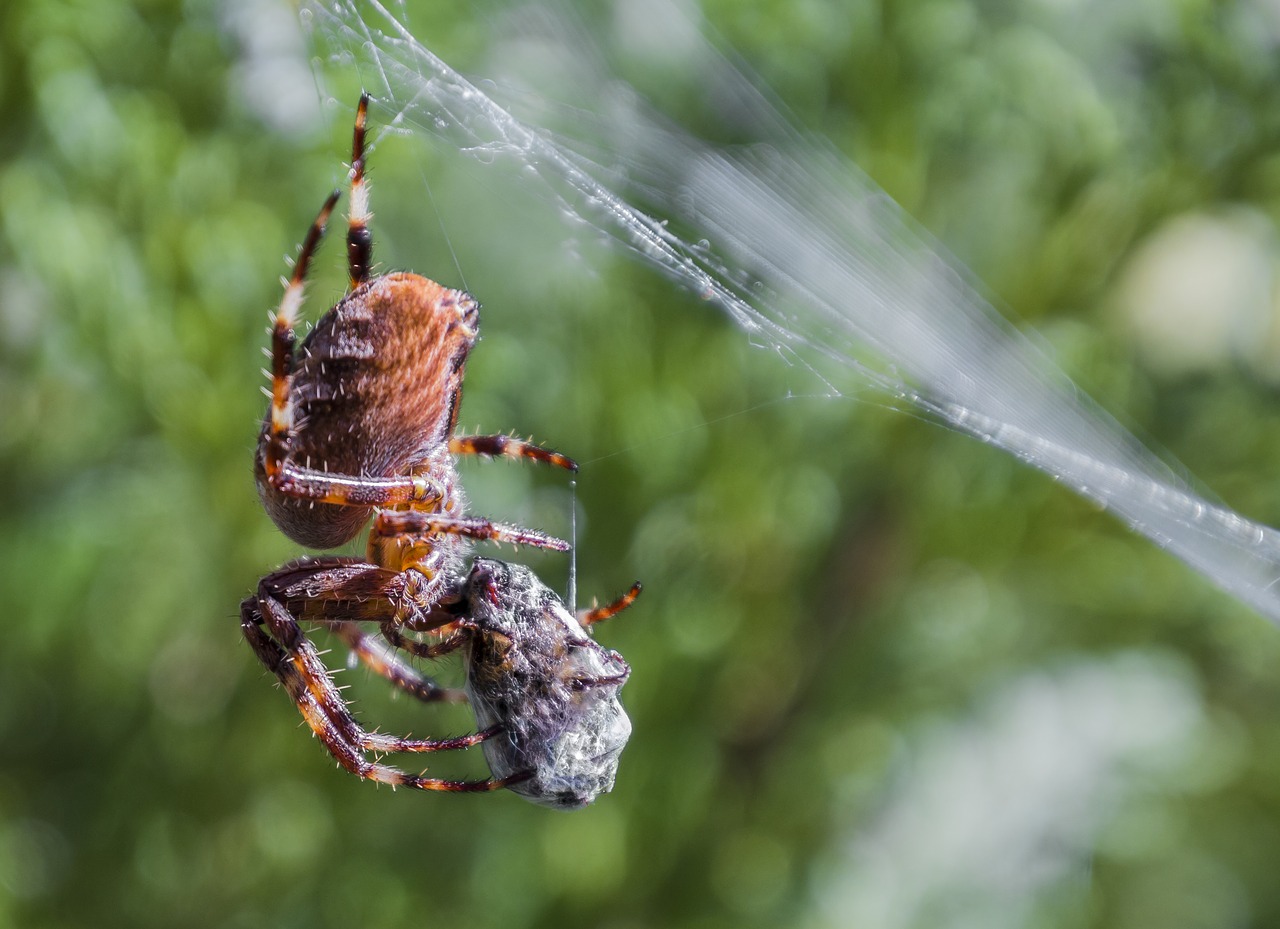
column 415, row 522
column 307, row 682
column 359, row 238
column 505, row 446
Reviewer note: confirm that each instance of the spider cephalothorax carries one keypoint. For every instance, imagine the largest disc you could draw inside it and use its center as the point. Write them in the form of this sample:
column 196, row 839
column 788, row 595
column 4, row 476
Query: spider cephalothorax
column 361, row 423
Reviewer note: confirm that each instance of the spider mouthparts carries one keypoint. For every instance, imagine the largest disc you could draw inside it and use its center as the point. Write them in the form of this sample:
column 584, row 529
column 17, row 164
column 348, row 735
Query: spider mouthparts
column 483, row 580
column 468, row 311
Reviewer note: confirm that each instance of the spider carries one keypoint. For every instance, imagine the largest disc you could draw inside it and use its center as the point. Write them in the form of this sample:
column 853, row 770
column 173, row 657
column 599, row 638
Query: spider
column 361, row 424
column 545, row 691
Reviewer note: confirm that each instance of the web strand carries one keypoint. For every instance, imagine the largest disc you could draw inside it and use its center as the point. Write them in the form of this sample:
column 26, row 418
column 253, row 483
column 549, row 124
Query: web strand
column 840, row 279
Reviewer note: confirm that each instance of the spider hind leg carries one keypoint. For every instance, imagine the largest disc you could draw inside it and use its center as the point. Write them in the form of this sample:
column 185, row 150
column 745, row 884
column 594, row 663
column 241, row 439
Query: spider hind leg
column 278, row 640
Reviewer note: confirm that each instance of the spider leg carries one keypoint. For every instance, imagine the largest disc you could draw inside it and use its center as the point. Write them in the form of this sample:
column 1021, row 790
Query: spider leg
column 341, row 593
column 283, row 340
column 504, row 446
column 381, row 658
column 601, row 613
column 359, row 238
column 391, row 632
column 393, row 522
column 348, row 490
column 296, row 663
column 612, row 680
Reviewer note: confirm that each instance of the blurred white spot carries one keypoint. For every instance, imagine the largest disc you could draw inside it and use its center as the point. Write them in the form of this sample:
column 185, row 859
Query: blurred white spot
column 24, row 310
column 990, row 813
column 272, row 75
column 1199, row 292
column 665, row 31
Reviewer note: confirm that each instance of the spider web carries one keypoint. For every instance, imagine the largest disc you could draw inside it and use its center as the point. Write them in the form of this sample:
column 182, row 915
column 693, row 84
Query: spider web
column 811, row 260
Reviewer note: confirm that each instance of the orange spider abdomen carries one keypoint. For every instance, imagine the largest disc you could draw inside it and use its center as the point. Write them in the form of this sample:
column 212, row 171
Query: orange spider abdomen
column 374, row 393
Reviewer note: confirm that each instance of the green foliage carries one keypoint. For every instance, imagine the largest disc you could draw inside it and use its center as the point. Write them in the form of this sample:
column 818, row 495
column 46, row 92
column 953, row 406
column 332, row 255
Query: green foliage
column 827, row 581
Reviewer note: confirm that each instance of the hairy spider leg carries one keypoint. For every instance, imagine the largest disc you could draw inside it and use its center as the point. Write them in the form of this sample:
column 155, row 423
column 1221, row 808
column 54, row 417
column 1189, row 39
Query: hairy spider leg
column 283, row 340
column 328, row 717
column 359, row 238
column 370, row 649
column 392, row 523
column 601, row 613
column 391, row 632
column 288, row 654
column 341, row 593
column 349, row 490
column 381, row 658
column 424, row 551
column 407, row 540
column 505, row 446
column 612, row 680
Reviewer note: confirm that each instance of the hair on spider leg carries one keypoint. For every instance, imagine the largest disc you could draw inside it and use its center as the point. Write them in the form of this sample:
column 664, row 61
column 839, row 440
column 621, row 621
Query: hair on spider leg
column 372, row 394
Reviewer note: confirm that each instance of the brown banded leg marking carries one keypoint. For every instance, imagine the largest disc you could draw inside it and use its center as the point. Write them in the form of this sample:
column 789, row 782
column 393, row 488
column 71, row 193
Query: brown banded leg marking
column 309, row 685
column 283, row 340
column 346, row 490
column 393, row 522
column 391, row 632
column 586, row 683
column 385, row 744
column 266, row 648
column 380, row 657
column 359, row 238
column 341, row 593
column 601, row 613
column 504, row 446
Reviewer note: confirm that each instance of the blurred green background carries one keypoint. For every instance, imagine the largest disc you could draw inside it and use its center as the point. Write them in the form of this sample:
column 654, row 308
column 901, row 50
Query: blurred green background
column 883, row 675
